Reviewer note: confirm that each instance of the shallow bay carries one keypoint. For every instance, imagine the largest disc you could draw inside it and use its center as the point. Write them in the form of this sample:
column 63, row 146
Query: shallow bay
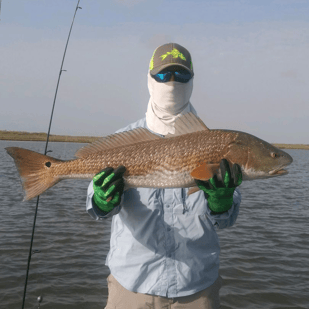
column 264, row 256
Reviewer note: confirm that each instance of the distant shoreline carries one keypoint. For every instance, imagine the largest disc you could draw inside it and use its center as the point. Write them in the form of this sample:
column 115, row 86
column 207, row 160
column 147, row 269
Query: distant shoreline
column 28, row 136
column 41, row 137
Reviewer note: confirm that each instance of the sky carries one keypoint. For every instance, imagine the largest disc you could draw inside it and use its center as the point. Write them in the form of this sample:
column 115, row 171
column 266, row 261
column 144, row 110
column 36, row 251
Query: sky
column 250, row 60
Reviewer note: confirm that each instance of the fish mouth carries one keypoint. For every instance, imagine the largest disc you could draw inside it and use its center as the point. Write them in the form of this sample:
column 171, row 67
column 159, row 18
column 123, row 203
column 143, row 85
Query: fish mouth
column 279, row 171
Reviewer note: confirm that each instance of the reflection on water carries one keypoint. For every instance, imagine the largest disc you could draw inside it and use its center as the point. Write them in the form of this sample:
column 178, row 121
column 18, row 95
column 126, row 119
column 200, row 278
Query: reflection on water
column 264, row 257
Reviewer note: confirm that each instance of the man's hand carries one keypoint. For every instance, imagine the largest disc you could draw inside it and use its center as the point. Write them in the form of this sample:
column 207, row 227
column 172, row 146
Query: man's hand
column 108, row 187
column 219, row 194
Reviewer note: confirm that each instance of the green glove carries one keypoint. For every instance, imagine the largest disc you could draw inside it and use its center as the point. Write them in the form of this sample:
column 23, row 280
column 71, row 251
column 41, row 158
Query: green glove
column 108, row 187
column 219, row 193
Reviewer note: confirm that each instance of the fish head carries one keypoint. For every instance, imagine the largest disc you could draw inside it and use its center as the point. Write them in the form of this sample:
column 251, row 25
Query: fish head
column 257, row 158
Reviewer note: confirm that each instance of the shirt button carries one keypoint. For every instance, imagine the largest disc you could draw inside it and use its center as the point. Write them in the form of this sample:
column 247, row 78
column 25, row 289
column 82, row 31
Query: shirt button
column 168, row 229
column 167, row 206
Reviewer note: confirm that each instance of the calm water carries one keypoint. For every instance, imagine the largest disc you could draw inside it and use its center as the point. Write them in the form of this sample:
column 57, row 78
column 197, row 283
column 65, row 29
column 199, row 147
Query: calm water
column 264, row 257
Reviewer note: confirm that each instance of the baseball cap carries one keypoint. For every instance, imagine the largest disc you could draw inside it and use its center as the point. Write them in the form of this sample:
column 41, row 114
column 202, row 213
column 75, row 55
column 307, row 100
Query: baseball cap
column 170, row 54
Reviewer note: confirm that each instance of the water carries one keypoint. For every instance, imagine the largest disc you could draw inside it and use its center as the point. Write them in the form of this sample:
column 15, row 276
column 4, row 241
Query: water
column 264, row 257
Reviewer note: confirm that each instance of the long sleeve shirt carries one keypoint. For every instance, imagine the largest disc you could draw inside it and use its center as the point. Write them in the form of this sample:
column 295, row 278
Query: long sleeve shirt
column 164, row 242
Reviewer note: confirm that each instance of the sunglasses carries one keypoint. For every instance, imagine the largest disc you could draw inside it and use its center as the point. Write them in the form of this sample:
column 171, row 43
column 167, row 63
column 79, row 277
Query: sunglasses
column 181, row 75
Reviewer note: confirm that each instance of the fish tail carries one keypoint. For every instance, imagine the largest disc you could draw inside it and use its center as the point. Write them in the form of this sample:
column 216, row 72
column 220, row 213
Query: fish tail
column 35, row 171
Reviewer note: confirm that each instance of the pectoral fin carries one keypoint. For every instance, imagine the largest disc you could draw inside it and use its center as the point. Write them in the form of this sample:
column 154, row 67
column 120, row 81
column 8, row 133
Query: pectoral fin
column 193, row 190
column 205, row 171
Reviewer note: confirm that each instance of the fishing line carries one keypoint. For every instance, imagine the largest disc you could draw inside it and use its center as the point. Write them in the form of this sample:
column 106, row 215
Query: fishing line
column 47, row 139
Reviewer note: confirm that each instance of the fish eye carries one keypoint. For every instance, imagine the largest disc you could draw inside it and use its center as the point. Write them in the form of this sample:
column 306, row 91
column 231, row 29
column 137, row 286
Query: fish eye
column 274, row 155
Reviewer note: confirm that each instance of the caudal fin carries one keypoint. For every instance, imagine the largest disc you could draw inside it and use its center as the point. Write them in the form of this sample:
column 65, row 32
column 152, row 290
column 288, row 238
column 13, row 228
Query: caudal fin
column 35, row 171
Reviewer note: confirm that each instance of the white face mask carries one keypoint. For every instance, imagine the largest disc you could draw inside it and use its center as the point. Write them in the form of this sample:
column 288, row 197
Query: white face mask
column 167, row 102
column 170, row 97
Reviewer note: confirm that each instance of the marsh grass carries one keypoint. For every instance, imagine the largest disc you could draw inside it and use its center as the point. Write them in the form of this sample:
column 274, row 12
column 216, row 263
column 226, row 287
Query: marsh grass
column 28, row 136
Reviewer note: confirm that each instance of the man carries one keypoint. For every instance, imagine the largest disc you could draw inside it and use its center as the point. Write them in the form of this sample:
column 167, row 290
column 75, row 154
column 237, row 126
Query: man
column 164, row 250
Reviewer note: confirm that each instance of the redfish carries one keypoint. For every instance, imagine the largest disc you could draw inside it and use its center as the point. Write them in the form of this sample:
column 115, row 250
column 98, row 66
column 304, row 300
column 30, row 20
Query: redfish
column 152, row 161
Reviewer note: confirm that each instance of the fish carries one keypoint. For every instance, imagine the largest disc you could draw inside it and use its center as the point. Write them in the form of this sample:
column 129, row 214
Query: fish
column 154, row 161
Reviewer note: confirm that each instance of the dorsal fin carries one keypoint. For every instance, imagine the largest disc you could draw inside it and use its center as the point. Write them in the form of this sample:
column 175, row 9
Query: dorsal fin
column 187, row 123
column 117, row 140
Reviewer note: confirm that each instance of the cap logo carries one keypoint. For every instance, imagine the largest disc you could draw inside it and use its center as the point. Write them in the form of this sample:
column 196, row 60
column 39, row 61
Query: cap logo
column 175, row 53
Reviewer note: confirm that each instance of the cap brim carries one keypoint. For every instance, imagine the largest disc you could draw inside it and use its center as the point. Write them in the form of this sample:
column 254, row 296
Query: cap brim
column 164, row 66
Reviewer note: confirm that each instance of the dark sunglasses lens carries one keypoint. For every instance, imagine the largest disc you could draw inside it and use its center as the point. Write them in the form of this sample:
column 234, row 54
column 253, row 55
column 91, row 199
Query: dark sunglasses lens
column 182, row 76
column 162, row 77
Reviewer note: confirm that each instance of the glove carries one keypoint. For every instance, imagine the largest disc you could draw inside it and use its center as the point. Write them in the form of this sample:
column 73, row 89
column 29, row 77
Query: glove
column 219, row 193
column 108, row 187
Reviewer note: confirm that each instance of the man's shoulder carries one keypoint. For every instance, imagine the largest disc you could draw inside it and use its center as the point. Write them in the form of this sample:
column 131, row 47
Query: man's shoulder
column 141, row 123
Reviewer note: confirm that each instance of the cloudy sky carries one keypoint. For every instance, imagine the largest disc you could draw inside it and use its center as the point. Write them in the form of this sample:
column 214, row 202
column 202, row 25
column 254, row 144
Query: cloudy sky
column 250, row 59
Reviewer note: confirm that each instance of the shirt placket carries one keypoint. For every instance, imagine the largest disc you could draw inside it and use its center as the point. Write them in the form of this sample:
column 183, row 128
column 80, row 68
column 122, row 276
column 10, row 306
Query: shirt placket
column 169, row 202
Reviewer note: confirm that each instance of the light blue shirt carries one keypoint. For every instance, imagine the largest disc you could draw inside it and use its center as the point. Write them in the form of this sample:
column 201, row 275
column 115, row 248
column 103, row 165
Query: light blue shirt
column 164, row 242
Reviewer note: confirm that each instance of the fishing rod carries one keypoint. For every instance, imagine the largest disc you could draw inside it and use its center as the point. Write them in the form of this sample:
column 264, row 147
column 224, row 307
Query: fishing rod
column 47, row 140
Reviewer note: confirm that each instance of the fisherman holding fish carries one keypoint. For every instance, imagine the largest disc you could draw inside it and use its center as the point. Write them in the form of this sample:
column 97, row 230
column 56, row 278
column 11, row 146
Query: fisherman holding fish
column 164, row 250
column 168, row 182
